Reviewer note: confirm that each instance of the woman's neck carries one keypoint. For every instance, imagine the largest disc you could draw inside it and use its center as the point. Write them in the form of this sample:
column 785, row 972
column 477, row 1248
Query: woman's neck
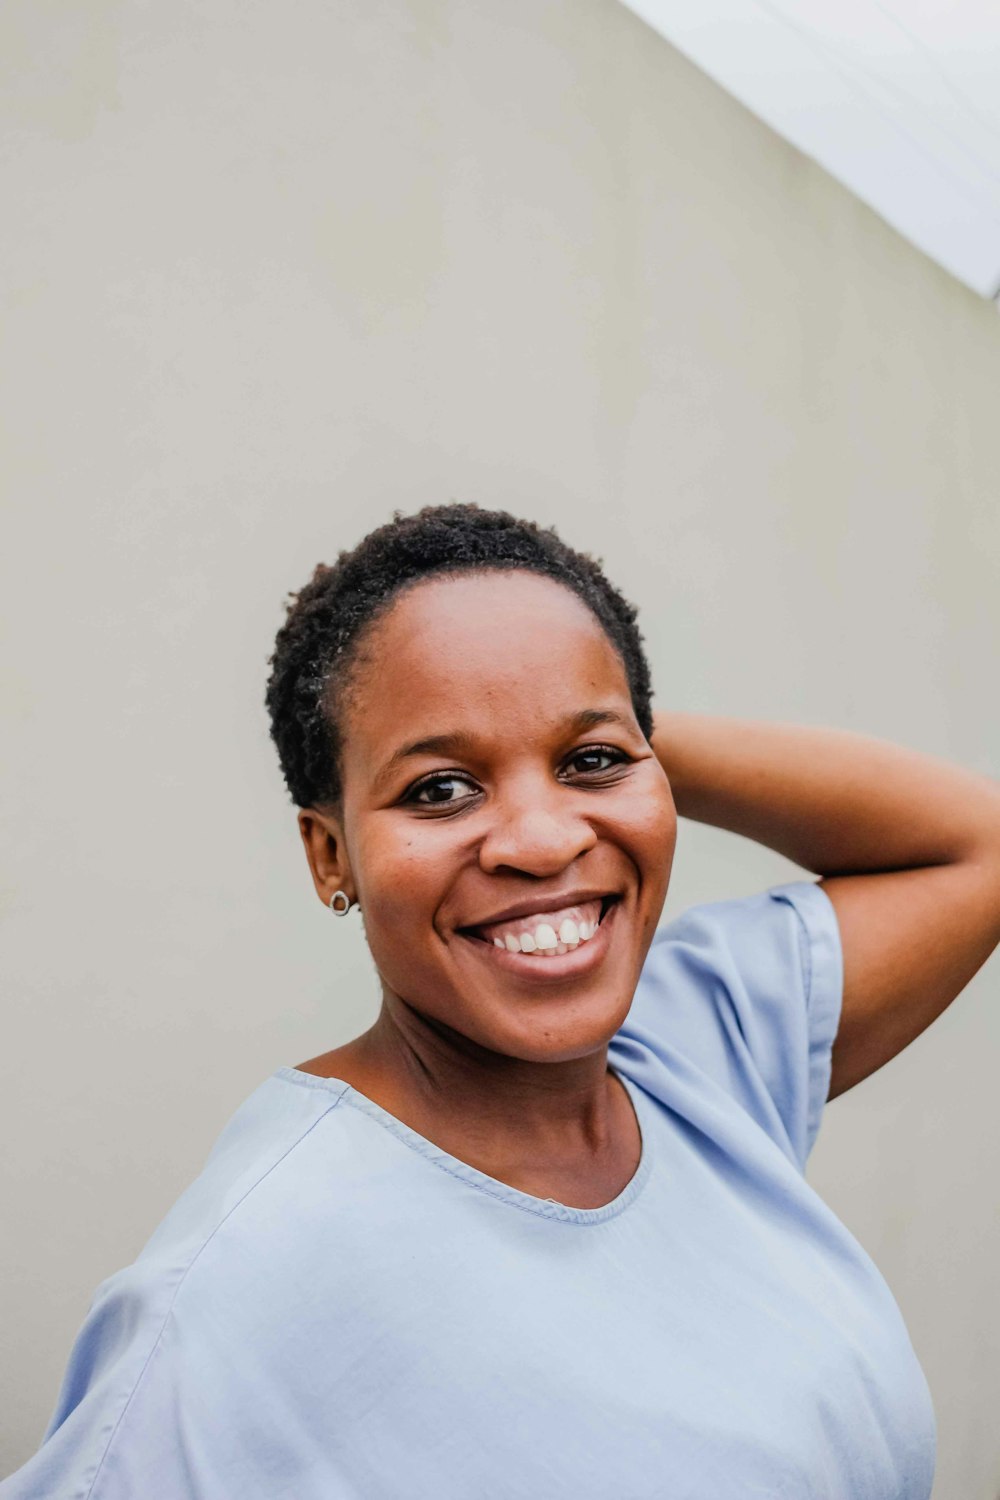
column 562, row 1130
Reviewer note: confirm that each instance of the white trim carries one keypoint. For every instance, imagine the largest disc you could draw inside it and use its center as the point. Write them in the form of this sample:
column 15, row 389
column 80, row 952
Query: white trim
column 909, row 123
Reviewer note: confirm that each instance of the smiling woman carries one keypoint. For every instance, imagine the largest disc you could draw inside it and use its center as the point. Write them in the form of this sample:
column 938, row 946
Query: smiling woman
column 463, row 805
column 473, row 806
column 544, row 1228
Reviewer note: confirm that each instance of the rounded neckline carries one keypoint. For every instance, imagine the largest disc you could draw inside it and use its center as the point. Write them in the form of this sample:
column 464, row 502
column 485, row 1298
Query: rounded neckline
column 548, row 1208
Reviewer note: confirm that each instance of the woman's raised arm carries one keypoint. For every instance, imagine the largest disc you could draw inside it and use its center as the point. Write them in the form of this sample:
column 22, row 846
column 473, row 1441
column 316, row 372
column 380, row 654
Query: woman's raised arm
column 907, row 845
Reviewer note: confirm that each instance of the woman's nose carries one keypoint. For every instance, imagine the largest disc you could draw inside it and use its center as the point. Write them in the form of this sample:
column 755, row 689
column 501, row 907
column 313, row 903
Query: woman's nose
column 536, row 836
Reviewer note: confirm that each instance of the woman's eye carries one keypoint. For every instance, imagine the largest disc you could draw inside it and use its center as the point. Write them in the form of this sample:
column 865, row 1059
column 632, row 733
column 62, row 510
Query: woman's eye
column 439, row 790
column 598, row 758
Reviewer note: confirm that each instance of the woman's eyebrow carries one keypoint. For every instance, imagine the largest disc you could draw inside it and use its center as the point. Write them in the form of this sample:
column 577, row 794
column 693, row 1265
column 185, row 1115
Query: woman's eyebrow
column 589, row 718
column 459, row 744
column 433, row 744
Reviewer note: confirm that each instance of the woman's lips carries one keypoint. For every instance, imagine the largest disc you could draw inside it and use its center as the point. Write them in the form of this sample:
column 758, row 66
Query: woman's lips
column 561, row 927
column 538, row 968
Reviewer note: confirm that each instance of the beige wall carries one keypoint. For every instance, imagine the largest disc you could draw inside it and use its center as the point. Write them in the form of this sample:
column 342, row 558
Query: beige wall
column 278, row 270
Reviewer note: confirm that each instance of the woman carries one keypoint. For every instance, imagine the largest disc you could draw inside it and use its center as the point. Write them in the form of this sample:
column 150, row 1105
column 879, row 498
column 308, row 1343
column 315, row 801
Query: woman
column 543, row 1230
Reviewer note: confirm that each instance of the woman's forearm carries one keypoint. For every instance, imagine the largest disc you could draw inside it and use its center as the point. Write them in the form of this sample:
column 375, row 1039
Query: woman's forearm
column 834, row 801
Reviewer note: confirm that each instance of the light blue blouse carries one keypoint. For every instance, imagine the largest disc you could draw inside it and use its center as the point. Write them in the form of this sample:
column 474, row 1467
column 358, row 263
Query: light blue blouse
column 336, row 1309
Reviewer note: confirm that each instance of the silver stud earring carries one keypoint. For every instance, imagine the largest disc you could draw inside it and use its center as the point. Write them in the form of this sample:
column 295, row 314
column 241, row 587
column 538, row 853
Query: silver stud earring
column 340, row 910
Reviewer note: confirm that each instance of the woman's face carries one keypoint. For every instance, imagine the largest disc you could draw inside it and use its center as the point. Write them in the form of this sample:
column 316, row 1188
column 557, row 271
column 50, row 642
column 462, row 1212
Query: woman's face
column 498, row 794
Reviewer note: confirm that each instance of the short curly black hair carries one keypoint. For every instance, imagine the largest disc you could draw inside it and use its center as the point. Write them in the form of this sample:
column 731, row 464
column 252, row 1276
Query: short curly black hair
column 317, row 645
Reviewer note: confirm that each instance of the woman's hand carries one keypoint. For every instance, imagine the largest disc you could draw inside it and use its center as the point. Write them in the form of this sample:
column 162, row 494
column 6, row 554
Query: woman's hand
column 908, row 848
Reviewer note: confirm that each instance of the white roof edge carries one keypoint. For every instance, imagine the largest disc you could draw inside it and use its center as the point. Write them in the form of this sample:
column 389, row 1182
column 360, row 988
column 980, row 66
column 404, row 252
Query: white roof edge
column 871, row 109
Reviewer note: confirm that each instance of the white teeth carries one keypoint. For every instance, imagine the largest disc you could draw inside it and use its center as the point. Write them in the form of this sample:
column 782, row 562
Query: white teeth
column 547, row 940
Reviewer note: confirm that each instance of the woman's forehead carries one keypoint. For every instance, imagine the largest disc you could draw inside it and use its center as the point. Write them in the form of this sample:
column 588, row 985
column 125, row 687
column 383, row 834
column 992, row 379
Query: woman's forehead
column 447, row 622
column 496, row 648
column 491, row 593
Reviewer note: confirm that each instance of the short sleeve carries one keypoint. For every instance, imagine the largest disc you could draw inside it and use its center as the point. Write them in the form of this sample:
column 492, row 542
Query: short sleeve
column 750, row 991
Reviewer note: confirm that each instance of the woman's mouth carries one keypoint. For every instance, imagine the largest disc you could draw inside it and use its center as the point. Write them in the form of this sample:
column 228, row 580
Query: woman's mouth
column 561, row 943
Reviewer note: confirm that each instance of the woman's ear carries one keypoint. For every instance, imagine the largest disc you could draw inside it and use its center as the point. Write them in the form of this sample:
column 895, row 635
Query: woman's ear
column 323, row 839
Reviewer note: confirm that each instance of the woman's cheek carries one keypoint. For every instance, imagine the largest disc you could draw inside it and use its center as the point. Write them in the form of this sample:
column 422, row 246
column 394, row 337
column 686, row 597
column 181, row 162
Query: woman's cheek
column 655, row 844
column 408, row 889
column 652, row 820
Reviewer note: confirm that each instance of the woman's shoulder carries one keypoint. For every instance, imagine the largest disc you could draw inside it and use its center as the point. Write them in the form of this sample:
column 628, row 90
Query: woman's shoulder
column 215, row 1238
column 298, row 1165
column 270, row 1223
column 258, row 1145
column 748, row 991
column 274, row 1158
